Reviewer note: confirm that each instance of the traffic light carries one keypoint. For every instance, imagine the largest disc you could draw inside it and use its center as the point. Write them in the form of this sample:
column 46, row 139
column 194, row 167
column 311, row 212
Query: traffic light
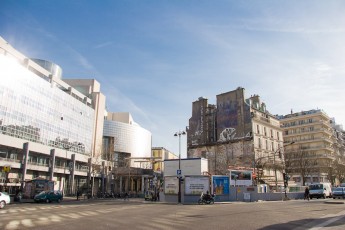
column 286, row 179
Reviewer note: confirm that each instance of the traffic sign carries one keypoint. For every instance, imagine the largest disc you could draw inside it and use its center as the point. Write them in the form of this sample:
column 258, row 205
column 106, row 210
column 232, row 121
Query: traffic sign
column 6, row 169
column 179, row 172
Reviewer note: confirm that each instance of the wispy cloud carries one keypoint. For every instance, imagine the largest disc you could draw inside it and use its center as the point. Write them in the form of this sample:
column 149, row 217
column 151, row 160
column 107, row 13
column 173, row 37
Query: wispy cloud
column 102, row 45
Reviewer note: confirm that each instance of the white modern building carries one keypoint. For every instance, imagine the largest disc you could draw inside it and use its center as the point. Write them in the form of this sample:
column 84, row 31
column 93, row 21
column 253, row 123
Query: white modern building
column 128, row 147
column 48, row 128
column 125, row 138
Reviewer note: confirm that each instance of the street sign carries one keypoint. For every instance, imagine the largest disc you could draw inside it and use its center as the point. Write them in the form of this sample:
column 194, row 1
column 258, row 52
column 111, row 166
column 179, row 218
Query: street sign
column 179, row 172
column 6, row 169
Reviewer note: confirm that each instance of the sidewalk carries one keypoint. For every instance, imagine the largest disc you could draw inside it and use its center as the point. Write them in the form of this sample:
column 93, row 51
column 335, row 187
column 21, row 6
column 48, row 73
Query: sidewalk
column 65, row 199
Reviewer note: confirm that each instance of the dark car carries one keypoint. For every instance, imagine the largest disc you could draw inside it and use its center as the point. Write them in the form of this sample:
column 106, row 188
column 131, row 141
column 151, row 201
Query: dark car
column 48, row 196
column 339, row 192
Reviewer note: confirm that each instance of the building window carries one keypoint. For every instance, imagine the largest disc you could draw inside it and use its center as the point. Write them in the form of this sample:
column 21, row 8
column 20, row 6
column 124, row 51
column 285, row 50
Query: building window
column 266, row 144
column 258, row 129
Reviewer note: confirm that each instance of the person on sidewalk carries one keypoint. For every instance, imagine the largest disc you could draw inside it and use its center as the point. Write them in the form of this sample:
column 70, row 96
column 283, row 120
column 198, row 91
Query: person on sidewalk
column 306, row 193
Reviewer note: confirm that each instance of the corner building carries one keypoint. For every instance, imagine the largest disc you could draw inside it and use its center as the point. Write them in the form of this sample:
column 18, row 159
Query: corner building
column 237, row 133
column 47, row 128
column 317, row 154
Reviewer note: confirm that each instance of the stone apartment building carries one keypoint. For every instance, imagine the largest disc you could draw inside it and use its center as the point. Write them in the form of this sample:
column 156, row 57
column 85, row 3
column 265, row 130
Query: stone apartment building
column 237, row 133
column 317, row 154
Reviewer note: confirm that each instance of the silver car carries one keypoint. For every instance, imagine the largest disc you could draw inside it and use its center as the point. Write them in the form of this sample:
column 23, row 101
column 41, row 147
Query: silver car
column 4, row 199
column 339, row 192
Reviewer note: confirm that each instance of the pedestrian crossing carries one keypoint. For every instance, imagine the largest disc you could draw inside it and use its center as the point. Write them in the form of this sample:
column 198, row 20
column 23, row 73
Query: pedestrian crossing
column 25, row 217
column 40, row 216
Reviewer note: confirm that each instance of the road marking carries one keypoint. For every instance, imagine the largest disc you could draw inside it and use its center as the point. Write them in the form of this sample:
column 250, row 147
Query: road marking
column 13, row 224
column 335, row 218
column 27, row 223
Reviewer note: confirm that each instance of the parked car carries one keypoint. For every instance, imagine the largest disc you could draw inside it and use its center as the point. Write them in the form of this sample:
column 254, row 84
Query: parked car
column 48, row 196
column 339, row 192
column 4, row 199
column 320, row 190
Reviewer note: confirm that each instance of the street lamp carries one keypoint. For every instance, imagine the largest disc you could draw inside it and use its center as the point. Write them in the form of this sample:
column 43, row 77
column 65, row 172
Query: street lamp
column 275, row 168
column 179, row 133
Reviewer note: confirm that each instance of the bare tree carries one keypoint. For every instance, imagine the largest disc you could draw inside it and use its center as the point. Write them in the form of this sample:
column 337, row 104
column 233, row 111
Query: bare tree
column 300, row 162
column 338, row 171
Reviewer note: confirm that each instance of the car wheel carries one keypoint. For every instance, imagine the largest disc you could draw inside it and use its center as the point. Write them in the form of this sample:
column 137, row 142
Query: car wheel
column 47, row 201
column 333, row 197
column 58, row 200
column 2, row 204
column 324, row 196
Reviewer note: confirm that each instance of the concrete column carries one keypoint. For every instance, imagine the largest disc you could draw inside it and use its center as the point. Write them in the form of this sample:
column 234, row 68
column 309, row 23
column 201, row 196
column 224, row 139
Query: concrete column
column 143, row 184
column 103, row 175
column 120, row 184
column 52, row 164
column 72, row 172
column 24, row 163
column 89, row 162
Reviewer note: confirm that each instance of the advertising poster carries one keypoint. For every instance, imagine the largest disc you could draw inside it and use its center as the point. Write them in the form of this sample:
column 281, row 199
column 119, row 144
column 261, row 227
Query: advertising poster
column 241, row 177
column 195, row 185
column 220, row 185
column 171, row 185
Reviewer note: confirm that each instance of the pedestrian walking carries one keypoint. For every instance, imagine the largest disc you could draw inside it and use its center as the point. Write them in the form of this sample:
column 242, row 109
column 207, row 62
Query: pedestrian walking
column 126, row 196
column 306, row 193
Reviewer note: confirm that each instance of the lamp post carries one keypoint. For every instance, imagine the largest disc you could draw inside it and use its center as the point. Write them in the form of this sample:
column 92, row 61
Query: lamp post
column 179, row 133
column 275, row 168
column 235, row 177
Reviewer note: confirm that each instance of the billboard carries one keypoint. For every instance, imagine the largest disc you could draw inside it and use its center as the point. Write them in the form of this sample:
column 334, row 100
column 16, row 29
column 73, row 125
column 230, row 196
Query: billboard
column 171, row 185
column 220, row 185
column 241, row 177
column 195, row 185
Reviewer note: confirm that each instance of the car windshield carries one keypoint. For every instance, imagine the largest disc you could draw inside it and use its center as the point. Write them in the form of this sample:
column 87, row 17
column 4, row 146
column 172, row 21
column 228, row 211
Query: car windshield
column 41, row 193
column 338, row 189
column 315, row 186
column 5, row 193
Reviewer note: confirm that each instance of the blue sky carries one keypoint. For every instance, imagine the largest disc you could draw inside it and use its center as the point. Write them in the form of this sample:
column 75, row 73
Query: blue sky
column 154, row 58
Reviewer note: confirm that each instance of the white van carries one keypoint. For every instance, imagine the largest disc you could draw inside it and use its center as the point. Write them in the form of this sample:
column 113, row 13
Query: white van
column 320, row 190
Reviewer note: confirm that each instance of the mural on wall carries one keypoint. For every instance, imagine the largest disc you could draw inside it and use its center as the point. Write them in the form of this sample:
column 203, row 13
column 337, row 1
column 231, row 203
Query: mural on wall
column 227, row 134
column 233, row 116
column 196, row 122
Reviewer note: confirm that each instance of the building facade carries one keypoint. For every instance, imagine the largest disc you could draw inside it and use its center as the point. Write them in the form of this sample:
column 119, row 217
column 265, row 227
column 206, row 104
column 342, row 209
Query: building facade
column 237, row 133
column 47, row 127
column 317, row 154
column 160, row 154
column 128, row 147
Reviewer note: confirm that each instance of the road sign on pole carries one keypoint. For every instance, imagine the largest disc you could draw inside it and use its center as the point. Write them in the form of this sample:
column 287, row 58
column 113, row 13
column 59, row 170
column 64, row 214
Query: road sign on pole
column 178, row 172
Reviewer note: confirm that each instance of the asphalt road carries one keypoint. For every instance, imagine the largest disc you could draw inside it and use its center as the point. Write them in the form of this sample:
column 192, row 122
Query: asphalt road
column 139, row 214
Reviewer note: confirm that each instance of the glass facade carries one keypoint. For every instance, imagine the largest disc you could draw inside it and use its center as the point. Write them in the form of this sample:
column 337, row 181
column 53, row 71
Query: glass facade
column 37, row 110
column 128, row 138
